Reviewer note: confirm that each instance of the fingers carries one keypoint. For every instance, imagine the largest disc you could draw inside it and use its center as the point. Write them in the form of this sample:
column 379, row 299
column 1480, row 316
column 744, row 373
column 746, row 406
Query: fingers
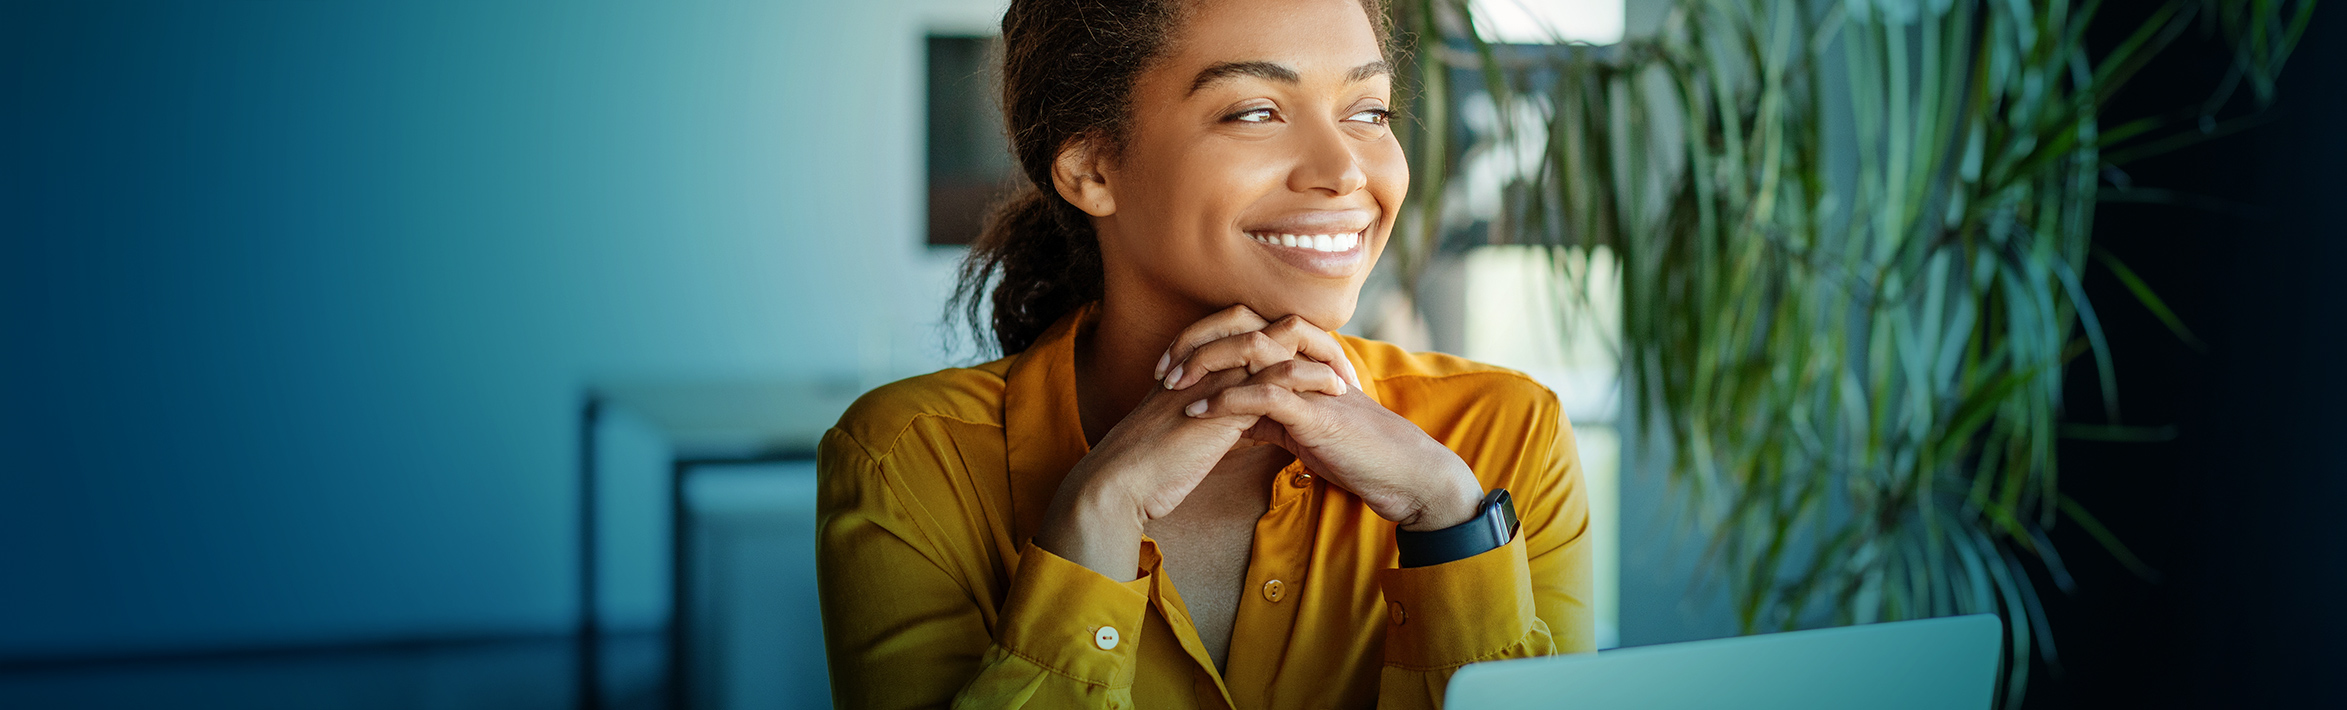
column 1258, row 399
column 1310, row 341
column 1258, row 349
column 1252, row 353
column 1303, row 376
column 1224, row 323
column 1276, row 394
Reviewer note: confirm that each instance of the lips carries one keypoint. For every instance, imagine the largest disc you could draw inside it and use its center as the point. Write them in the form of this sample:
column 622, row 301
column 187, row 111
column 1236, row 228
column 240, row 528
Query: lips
column 1323, row 243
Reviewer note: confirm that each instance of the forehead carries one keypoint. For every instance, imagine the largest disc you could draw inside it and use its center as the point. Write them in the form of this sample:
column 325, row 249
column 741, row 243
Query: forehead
column 1320, row 39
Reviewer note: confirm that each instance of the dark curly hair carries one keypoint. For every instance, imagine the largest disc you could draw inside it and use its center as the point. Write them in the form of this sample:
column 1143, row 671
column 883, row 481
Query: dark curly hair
column 1068, row 69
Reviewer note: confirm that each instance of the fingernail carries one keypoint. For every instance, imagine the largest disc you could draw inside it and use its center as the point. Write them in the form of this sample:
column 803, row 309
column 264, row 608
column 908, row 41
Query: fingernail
column 1340, row 388
column 1173, row 377
column 1162, row 361
column 1195, row 408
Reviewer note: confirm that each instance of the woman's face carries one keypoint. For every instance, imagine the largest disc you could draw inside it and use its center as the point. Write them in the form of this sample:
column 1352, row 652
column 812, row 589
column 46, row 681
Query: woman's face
column 1259, row 169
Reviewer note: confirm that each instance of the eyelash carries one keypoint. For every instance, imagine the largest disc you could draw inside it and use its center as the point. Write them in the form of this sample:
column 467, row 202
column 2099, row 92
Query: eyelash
column 1382, row 115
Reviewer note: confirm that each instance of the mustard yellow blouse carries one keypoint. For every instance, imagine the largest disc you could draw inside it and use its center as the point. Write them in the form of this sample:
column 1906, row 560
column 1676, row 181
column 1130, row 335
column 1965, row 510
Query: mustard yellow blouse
column 932, row 486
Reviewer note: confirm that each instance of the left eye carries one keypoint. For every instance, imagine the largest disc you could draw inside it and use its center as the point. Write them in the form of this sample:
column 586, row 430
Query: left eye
column 1376, row 115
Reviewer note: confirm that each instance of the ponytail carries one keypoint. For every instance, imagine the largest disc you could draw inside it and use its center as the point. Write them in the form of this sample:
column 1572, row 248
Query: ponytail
column 1048, row 258
column 1068, row 68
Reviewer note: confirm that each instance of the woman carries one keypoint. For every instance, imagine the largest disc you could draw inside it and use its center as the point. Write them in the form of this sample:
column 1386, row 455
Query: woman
column 1179, row 489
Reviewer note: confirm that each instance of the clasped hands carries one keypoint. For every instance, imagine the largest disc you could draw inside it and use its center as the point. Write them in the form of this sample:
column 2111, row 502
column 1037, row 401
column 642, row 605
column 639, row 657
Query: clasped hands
column 1235, row 375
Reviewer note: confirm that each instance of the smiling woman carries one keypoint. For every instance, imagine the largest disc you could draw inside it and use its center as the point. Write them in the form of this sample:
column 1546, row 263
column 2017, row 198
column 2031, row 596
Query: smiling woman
column 1179, row 488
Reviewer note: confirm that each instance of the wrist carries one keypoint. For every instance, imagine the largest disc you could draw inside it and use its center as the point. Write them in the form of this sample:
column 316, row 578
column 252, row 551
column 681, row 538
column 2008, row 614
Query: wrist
column 1107, row 507
column 1092, row 495
column 1451, row 502
column 1092, row 525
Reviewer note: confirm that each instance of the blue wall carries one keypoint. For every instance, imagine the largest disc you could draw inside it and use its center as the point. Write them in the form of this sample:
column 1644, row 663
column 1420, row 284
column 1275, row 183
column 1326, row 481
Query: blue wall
column 298, row 299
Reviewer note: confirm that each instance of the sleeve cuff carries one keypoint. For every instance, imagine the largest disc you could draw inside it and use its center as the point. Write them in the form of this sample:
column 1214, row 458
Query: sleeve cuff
column 1458, row 612
column 1073, row 621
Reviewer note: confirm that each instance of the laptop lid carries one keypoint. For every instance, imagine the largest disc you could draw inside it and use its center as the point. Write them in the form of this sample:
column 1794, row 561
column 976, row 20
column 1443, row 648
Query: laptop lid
column 1929, row 664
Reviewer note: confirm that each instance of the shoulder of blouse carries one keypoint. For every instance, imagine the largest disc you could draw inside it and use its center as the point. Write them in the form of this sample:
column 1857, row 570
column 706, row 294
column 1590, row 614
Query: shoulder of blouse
column 970, row 395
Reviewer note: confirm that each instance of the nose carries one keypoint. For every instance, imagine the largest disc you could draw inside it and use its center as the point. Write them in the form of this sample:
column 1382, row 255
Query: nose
column 1328, row 164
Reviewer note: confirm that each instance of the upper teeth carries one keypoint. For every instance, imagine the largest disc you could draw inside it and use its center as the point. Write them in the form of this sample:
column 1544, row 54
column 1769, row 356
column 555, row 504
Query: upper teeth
column 1315, row 242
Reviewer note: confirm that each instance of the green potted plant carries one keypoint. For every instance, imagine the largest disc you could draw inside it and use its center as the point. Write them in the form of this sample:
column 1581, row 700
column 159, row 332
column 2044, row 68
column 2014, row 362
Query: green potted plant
column 1851, row 235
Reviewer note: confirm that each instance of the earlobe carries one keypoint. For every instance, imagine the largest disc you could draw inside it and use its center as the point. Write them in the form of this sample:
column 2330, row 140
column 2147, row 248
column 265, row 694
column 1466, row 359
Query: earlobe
column 1078, row 177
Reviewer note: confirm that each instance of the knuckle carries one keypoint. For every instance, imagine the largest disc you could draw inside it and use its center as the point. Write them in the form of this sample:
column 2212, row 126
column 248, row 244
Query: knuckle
column 1263, row 344
column 1205, row 354
column 1234, row 352
column 1280, row 371
column 1292, row 324
column 1311, row 339
column 1297, row 369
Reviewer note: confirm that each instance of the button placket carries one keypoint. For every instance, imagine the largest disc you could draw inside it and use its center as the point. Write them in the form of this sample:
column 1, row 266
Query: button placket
column 1277, row 563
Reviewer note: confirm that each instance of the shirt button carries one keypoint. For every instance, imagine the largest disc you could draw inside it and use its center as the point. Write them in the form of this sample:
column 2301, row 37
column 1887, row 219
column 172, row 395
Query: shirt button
column 1274, row 590
column 1105, row 638
column 1399, row 616
column 1300, row 480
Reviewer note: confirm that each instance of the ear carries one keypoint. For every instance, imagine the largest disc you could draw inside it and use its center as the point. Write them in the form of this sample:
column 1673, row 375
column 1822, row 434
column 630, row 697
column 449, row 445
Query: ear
column 1080, row 176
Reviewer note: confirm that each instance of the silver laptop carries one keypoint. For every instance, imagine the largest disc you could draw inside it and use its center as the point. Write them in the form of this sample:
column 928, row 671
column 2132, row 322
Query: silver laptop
column 1930, row 664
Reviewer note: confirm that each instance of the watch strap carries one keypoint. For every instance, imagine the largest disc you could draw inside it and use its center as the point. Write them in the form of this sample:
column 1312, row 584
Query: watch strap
column 1494, row 525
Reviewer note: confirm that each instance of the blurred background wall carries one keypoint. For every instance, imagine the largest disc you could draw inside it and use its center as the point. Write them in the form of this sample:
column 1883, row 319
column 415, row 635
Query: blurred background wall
column 298, row 299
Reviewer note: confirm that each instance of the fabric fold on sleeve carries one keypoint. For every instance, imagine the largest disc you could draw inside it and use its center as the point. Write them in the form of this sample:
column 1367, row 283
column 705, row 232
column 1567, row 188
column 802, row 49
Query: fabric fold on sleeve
column 1476, row 609
column 1074, row 621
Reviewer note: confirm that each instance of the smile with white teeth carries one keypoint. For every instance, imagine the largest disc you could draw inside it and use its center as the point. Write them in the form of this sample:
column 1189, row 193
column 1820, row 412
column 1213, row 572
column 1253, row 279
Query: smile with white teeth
column 1316, row 242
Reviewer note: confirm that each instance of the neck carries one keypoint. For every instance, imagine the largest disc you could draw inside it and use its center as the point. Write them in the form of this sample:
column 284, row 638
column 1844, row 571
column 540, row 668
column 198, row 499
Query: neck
column 1116, row 359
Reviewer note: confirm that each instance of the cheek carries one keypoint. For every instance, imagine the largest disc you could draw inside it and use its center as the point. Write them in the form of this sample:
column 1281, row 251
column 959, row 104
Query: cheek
column 1233, row 173
column 1388, row 172
column 1199, row 195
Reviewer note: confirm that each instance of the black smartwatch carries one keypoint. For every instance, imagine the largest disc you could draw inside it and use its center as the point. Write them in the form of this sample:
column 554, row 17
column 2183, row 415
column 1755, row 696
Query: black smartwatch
column 1494, row 525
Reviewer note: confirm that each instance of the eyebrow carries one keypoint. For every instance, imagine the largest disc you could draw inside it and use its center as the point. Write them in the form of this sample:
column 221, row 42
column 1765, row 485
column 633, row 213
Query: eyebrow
column 1276, row 72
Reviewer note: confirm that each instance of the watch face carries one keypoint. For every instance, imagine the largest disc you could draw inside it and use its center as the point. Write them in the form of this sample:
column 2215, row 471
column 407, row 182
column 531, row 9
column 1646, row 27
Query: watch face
column 1505, row 521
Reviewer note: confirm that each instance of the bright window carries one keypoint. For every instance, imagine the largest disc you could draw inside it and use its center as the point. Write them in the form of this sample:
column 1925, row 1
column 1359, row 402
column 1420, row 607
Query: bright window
column 1543, row 21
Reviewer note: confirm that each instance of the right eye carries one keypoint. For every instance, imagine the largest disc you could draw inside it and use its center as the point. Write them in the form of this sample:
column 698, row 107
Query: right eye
column 1253, row 115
